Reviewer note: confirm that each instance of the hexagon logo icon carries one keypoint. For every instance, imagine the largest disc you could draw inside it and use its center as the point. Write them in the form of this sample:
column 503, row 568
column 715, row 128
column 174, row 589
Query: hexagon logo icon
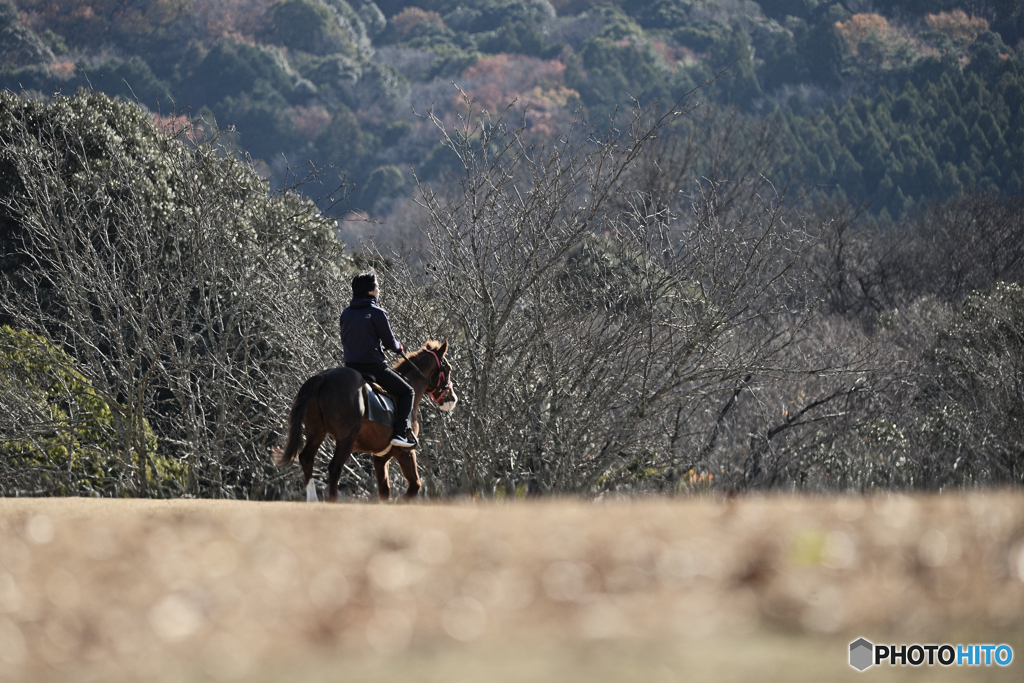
column 861, row 654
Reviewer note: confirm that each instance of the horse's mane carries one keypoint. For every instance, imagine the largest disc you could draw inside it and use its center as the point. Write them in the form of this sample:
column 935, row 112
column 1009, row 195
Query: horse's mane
column 417, row 356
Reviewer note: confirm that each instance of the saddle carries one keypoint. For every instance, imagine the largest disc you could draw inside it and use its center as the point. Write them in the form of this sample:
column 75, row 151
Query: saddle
column 380, row 405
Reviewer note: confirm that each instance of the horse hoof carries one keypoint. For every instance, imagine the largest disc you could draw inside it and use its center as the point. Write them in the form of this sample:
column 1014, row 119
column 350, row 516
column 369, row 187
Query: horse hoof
column 311, row 492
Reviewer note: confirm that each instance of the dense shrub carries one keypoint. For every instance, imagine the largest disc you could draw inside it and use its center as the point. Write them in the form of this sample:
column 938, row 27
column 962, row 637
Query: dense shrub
column 57, row 435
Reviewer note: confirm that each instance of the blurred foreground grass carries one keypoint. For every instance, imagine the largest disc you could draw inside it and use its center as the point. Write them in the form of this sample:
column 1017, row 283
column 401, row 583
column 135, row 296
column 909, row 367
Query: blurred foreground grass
column 766, row 589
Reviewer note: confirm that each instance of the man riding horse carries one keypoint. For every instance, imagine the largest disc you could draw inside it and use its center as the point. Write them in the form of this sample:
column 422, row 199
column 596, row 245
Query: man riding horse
column 335, row 401
column 365, row 333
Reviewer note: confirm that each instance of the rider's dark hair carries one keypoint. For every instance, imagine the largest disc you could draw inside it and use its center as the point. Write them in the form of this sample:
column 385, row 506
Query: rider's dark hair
column 364, row 283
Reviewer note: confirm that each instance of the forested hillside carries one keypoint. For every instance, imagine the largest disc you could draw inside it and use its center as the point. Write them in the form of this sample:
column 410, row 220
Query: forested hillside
column 894, row 103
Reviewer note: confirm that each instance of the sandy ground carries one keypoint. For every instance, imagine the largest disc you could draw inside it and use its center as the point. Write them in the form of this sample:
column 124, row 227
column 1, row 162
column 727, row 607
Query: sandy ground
column 766, row 589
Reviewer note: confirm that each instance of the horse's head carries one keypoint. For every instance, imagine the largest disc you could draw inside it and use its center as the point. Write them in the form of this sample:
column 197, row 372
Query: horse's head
column 441, row 388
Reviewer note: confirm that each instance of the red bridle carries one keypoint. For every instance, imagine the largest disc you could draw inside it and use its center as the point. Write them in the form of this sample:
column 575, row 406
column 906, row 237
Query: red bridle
column 443, row 384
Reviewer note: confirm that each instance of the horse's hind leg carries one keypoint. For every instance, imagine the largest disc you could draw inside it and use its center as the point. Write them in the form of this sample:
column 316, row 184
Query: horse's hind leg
column 380, row 468
column 407, row 461
column 315, row 434
column 342, row 452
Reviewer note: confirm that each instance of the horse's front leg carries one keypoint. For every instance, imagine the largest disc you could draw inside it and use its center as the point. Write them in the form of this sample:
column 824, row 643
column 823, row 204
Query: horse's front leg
column 407, row 461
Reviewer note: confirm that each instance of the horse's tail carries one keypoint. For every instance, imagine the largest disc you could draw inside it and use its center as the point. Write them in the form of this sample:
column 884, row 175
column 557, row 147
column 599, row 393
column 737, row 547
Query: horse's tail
column 295, row 419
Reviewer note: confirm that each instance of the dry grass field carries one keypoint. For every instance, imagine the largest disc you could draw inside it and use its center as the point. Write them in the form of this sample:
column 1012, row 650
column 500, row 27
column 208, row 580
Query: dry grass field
column 765, row 589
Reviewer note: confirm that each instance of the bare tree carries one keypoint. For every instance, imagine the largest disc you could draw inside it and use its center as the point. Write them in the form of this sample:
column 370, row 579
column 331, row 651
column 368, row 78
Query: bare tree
column 954, row 247
column 600, row 332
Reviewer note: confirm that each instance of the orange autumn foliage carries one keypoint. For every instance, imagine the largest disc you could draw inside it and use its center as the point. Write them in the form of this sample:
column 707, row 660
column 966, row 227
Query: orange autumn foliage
column 862, row 26
column 571, row 7
column 956, row 24
column 240, row 19
column 408, row 19
column 880, row 45
column 103, row 21
column 496, row 81
column 64, row 69
column 309, row 121
column 529, row 84
column 675, row 55
column 181, row 126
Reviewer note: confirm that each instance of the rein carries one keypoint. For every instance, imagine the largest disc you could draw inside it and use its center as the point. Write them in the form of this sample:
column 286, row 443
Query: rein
column 440, row 387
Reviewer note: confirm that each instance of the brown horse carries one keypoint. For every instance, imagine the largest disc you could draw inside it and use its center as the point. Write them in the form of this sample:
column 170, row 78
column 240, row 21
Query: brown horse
column 335, row 402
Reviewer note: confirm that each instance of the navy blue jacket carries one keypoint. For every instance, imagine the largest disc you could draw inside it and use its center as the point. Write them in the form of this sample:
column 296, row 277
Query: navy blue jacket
column 364, row 330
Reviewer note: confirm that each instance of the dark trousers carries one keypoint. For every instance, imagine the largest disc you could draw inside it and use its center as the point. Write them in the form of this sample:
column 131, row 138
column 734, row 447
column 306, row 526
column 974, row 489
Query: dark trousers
column 394, row 384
